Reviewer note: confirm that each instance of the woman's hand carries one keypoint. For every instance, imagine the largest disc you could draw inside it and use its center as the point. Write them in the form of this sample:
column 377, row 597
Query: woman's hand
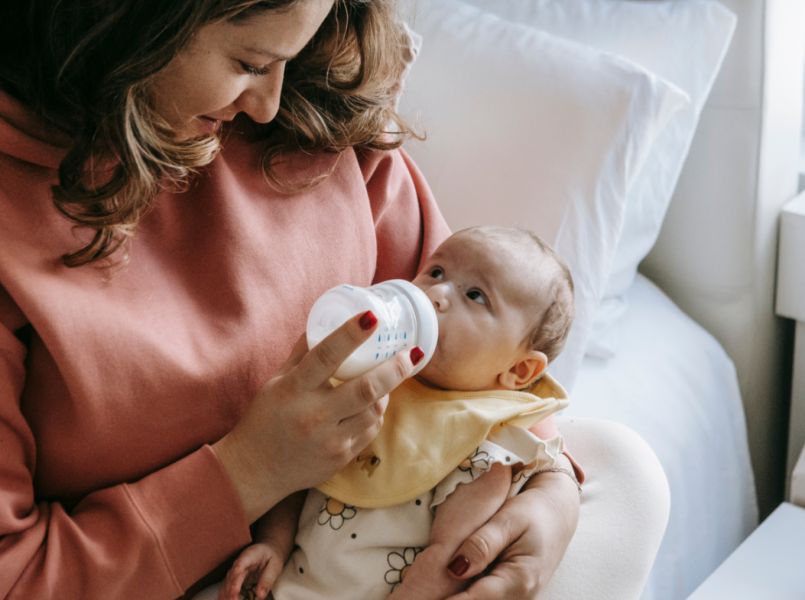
column 300, row 429
column 526, row 540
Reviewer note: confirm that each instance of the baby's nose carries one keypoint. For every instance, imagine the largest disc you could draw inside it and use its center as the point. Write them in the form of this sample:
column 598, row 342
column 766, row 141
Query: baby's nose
column 438, row 294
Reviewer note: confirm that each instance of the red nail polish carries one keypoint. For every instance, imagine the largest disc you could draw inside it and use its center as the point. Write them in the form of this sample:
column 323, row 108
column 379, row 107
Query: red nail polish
column 459, row 565
column 367, row 320
column 416, row 354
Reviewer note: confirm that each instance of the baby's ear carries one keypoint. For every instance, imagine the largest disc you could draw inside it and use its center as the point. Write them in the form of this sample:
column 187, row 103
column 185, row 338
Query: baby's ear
column 528, row 368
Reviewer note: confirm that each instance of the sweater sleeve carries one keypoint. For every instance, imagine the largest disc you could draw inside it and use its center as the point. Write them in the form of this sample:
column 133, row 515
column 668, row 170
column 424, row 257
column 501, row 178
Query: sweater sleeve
column 408, row 223
column 146, row 539
column 546, row 429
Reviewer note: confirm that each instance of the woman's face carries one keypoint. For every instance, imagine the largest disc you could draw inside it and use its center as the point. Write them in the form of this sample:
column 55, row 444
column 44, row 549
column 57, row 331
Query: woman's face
column 230, row 68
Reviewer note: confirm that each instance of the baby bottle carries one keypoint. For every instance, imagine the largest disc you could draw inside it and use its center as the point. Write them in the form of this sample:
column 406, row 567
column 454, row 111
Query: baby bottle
column 405, row 315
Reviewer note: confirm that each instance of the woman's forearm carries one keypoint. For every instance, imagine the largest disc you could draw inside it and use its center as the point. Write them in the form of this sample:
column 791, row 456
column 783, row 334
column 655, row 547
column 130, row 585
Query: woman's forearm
column 124, row 541
column 248, row 479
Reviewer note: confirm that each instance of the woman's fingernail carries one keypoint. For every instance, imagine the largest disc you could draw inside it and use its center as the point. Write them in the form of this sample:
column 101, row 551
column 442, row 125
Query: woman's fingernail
column 459, row 565
column 416, row 354
column 367, row 320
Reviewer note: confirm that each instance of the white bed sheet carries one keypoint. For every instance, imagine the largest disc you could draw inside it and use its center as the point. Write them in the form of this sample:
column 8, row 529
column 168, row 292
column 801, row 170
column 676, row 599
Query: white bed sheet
column 672, row 382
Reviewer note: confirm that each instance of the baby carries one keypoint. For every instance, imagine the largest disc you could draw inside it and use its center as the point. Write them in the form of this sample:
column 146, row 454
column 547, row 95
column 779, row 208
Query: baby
column 454, row 442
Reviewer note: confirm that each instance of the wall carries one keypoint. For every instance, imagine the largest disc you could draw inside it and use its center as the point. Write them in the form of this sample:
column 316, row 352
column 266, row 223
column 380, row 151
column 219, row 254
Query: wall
column 716, row 255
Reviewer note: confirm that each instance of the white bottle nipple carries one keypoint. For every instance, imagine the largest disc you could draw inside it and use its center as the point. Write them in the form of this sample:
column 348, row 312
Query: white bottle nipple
column 406, row 318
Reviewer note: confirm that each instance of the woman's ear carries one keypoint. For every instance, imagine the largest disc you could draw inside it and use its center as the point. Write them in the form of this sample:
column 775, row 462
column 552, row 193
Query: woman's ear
column 528, row 368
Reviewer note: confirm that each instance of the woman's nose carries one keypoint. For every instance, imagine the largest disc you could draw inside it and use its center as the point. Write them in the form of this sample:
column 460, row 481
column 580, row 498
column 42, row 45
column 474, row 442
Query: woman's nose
column 261, row 101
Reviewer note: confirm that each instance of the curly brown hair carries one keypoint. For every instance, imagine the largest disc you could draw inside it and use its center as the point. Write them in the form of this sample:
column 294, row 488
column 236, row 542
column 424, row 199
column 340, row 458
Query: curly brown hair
column 84, row 66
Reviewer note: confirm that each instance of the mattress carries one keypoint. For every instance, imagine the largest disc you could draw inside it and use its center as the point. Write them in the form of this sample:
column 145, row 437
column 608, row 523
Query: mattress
column 672, row 382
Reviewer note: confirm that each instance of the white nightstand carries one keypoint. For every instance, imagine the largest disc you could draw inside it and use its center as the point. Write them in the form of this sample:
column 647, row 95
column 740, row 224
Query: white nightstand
column 767, row 566
column 791, row 304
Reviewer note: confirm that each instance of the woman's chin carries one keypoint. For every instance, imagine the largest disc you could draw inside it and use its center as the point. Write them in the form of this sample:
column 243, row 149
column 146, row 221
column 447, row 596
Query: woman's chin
column 196, row 129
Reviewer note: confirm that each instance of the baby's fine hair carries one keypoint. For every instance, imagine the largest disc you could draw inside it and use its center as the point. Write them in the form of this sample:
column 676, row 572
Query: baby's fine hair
column 550, row 332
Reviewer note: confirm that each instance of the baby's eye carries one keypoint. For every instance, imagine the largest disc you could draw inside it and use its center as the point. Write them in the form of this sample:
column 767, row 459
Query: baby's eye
column 476, row 295
column 436, row 273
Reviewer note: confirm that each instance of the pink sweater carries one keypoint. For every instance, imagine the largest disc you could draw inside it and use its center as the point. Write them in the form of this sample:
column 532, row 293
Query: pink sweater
column 112, row 388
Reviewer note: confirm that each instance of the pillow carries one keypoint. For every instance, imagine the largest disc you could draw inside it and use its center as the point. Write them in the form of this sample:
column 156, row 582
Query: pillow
column 682, row 42
column 527, row 129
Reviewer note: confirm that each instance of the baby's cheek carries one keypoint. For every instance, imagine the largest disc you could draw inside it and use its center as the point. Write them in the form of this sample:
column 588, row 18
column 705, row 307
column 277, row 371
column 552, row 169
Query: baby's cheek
column 431, row 369
column 438, row 374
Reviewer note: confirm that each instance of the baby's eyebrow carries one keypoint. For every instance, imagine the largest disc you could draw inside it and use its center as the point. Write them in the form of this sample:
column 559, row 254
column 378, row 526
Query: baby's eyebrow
column 489, row 288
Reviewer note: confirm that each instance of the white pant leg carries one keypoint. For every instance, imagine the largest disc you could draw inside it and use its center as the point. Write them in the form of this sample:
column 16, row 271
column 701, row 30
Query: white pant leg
column 624, row 512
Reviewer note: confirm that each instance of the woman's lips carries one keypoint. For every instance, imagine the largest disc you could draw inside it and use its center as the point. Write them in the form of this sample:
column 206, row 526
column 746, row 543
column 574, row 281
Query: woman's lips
column 208, row 125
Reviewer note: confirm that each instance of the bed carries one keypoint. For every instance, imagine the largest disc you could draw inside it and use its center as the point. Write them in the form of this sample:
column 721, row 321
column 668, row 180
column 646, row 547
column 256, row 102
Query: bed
column 671, row 143
column 677, row 388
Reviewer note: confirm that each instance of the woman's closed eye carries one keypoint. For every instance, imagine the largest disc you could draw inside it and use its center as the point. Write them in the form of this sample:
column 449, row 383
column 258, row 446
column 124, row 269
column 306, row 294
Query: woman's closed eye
column 254, row 70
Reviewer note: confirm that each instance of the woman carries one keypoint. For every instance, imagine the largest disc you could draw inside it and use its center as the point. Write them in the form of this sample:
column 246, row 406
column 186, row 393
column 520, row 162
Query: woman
column 177, row 185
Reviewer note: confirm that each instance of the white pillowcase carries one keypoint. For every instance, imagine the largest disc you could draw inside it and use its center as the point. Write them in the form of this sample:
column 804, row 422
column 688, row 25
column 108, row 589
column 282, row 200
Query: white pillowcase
column 682, row 42
column 531, row 130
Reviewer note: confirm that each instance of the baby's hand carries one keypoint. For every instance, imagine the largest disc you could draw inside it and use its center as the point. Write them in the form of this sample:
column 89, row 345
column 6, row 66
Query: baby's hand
column 253, row 573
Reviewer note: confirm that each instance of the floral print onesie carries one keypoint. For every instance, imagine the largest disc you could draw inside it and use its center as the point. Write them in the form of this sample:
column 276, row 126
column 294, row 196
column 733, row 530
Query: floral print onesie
column 356, row 536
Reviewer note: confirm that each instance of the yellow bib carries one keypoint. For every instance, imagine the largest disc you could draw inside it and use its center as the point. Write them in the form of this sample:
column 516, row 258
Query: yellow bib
column 427, row 433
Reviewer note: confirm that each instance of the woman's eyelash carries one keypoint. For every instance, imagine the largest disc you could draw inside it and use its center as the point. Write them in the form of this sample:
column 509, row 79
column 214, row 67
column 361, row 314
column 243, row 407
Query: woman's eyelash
column 252, row 70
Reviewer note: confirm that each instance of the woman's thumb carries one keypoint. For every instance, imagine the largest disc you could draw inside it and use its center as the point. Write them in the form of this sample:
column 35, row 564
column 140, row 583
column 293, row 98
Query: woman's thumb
column 478, row 551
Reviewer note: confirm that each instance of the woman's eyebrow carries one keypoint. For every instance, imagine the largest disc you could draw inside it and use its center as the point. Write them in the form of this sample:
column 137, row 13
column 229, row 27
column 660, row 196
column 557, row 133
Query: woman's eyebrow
column 269, row 53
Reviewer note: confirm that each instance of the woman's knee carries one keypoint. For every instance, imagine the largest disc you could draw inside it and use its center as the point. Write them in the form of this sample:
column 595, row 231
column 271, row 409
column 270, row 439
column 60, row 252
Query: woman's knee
column 624, row 511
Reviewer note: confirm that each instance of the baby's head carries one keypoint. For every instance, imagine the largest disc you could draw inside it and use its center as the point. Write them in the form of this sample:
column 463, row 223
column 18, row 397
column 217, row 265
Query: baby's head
column 504, row 300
